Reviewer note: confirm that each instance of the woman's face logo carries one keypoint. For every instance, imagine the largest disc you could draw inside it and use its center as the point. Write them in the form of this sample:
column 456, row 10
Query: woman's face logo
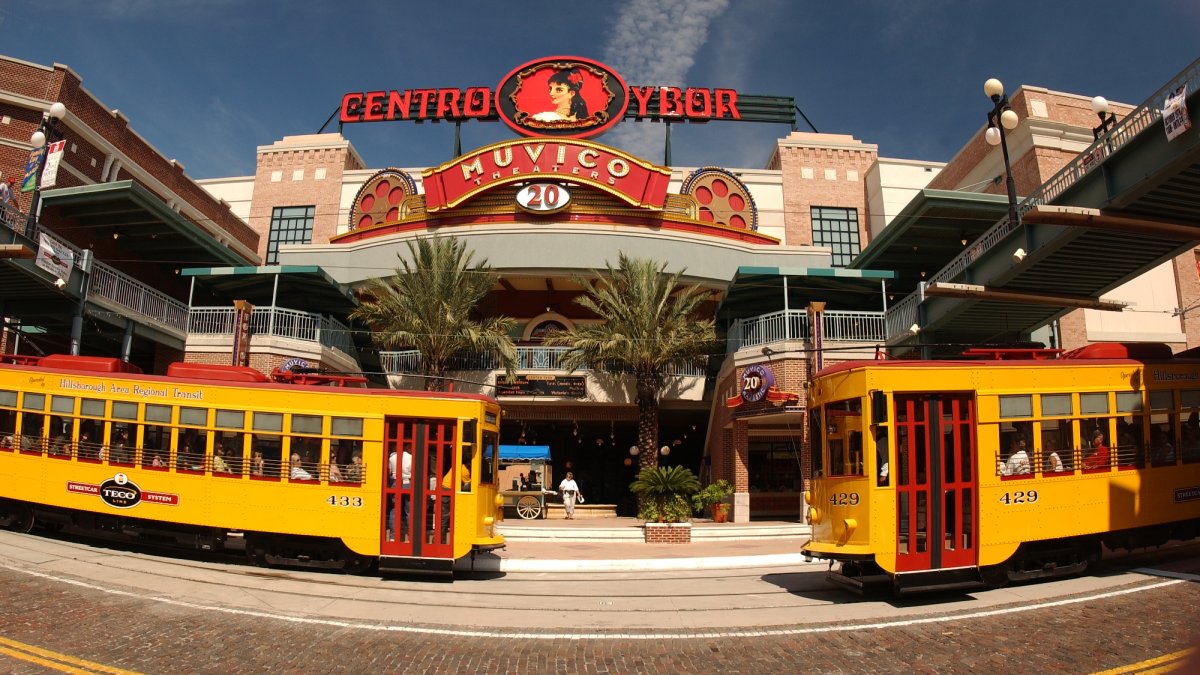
column 560, row 94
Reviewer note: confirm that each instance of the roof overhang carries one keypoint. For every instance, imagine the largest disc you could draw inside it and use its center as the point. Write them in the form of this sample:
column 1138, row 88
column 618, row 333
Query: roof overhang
column 760, row 290
column 145, row 225
column 929, row 232
column 307, row 288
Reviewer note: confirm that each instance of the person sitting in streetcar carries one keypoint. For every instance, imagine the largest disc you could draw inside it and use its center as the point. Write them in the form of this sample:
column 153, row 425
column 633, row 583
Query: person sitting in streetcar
column 298, row 472
column 1053, row 463
column 1018, row 460
column 1099, row 459
column 335, row 473
column 354, row 470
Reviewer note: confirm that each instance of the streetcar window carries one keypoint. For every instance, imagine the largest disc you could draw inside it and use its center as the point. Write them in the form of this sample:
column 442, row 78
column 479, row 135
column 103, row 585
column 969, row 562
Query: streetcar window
column 8, row 420
column 193, row 443
column 815, row 445
column 1056, row 455
column 1093, row 403
column 62, row 404
column 124, row 411
column 1131, row 401
column 306, row 424
column 91, row 431
column 1162, row 400
column 881, row 456
column 1016, row 406
column 264, row 421
column 346, row 426
column 231, row 419
column 196, row 417
column 32, row 423
column 267, row 451
column 1056, row 405
column 487, row 473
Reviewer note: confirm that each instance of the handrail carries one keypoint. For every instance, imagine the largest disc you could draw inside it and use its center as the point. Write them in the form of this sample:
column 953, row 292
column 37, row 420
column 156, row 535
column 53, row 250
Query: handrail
column 528, row 358
column 793, row 324
column 121, row 289
column 1138, row 120
column 276, row 321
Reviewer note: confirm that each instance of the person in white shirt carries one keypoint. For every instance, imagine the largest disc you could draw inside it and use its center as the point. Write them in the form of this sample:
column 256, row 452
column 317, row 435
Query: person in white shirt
column 1018, row 461
column 570, row 492
column 298, row 472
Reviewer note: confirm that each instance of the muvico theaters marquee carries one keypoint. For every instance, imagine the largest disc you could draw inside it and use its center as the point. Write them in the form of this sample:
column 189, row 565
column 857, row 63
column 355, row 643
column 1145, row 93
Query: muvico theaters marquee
column 546, row 210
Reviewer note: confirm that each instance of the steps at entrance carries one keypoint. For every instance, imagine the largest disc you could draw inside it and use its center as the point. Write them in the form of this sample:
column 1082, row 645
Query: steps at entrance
column 630, row 530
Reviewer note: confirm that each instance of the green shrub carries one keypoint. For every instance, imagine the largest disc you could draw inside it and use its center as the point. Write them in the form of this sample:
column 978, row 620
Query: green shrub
column 664, row 492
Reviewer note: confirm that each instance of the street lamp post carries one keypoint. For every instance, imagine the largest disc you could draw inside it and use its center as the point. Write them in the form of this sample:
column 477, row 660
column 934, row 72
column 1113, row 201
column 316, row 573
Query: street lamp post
column 46, row 132
column 1108, row 120
column 1000, row 118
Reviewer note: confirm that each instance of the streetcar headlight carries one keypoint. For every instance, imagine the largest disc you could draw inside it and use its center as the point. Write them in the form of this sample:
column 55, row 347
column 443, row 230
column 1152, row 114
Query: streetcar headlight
column 488, row 521
column 499, row 501
column 814, row 514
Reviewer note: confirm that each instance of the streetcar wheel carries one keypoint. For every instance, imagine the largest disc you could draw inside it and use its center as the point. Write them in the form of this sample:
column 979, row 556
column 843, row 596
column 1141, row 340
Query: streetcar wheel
column 20, row 518
column 529, row 507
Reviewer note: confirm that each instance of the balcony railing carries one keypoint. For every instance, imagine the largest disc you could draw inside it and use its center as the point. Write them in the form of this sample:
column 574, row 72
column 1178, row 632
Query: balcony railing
column 793, row 324
column 121, row 289
column 279, row 322
column 528, row 358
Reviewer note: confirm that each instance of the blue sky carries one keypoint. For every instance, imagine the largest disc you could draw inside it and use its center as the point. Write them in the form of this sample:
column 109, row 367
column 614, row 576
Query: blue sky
column 206, row 81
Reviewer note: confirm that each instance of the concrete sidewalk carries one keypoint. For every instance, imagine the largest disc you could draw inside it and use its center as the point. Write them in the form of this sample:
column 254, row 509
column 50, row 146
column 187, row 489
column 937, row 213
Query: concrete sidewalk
column 616, row 545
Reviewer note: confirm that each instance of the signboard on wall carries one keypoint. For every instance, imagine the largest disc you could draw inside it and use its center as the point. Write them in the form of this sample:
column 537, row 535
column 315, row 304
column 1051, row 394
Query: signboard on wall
column 564, row 96
column 542, row 385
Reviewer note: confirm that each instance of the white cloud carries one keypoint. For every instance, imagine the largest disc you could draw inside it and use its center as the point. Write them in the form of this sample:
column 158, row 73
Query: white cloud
column 654, row 42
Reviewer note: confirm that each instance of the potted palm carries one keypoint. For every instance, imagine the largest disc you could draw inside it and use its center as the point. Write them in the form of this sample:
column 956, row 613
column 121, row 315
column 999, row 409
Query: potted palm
column 712, row 496
column 663, row 493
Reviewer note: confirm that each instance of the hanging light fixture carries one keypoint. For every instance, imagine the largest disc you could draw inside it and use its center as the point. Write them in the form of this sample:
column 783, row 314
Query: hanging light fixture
column 633, row 450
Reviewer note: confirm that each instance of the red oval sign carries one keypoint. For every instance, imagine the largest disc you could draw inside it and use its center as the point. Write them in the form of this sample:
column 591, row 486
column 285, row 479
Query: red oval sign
column 563, row 96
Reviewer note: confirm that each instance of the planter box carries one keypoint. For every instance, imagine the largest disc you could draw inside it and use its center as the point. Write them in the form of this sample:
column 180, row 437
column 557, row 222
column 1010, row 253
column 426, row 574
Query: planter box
column 668, row 533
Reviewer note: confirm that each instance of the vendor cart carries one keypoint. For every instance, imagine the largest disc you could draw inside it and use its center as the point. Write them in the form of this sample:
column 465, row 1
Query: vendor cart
column 528, row 497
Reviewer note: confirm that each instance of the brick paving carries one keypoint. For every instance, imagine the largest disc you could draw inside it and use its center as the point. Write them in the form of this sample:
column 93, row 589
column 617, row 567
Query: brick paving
column 154, row 637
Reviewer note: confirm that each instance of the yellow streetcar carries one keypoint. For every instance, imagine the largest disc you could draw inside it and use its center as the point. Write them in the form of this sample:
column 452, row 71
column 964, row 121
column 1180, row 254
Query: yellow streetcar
column 301, row 470
column 1016, row 465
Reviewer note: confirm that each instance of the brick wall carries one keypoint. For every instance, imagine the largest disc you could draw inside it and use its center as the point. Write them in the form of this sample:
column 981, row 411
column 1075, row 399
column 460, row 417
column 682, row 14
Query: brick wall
column 822, row 170
column 668, row 533
column 302, row 171
column 61, row 84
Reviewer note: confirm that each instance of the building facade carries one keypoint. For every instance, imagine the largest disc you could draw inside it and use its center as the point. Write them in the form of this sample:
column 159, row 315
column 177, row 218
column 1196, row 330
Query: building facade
column 775, row 244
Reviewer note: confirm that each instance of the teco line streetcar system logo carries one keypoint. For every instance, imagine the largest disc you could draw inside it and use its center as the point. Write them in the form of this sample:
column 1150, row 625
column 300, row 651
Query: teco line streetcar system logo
column 566, row 97
column 121, row 493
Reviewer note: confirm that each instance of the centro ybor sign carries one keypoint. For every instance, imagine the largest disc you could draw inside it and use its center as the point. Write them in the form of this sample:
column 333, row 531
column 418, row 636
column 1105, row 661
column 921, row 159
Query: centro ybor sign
column 564, row 96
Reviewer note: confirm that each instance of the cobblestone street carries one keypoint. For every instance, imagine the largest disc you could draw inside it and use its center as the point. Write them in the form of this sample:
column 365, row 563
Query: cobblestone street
column 153, row 636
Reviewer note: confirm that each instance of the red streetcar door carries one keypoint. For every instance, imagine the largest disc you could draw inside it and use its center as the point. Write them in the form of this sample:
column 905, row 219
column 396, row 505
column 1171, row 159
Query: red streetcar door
column 935, row 481
column 418, row 512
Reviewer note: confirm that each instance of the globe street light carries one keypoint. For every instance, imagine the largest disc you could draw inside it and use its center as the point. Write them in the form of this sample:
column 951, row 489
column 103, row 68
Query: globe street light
column 1000, row 118
column 1108, row 120
column 46, row 131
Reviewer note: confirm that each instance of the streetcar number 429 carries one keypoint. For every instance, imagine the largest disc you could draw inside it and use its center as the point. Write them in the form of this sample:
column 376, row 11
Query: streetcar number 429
column 1019, row 497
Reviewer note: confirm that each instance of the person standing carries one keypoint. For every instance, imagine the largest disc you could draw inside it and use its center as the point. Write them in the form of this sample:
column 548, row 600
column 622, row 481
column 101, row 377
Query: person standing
column 570, row 492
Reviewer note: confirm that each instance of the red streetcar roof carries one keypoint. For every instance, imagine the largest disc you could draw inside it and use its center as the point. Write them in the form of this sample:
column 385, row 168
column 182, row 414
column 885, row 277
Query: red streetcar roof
column 206, row 371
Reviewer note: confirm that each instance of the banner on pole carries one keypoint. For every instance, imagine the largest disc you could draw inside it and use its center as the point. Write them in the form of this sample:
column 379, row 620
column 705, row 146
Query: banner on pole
column 54, row 257
column 1175, row 113
column 50, row 173
column 31, row 166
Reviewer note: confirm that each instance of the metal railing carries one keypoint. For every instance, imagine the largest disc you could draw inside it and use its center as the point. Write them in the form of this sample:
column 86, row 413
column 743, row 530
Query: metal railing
column 903, row 314
column 528, row 358
column 123, row 290
column 793, row 324
column 278, row 322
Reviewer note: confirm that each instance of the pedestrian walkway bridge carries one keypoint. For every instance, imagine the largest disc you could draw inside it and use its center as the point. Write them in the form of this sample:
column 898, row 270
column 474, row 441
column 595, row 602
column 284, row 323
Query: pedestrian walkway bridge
column 1126, row 204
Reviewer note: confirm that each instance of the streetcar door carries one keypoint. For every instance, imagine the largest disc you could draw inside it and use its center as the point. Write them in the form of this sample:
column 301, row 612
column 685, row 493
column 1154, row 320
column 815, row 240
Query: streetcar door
column 418, row 513
column 935, row 481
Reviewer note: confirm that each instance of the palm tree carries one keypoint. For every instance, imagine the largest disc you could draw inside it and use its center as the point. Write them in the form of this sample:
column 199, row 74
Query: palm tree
column 428, row 305
column 651, row 325
column 664, row 492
